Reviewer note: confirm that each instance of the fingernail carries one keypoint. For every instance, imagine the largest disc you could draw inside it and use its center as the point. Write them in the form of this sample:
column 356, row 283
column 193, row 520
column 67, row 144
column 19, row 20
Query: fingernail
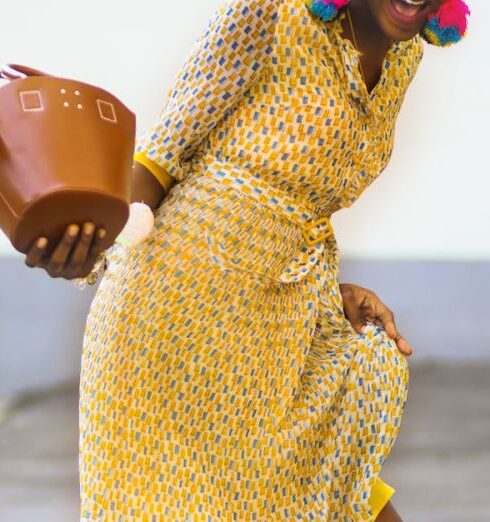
column 88, row 228
column 363, row 329
column 73, row 230
column 42, row 242
column 102, row 233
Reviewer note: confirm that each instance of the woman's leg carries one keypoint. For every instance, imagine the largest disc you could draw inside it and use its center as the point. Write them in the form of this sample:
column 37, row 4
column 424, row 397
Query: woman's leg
column 388, row 514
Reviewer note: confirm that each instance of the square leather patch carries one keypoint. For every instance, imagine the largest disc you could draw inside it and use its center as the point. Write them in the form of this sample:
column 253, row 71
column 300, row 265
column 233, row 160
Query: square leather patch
column 31, row 101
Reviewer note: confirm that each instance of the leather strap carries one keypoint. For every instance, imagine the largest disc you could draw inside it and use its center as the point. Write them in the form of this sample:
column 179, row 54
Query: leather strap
column 13, row 71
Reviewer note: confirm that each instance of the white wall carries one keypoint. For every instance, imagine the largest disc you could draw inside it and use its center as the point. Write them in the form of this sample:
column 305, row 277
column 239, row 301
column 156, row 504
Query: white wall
column 431, row 202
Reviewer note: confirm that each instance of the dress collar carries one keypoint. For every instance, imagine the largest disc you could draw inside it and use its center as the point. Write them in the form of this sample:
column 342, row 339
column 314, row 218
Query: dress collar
column 358, row 91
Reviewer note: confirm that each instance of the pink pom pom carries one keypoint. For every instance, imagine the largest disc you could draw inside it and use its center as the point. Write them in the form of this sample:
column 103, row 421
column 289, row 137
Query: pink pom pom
column 454, row 13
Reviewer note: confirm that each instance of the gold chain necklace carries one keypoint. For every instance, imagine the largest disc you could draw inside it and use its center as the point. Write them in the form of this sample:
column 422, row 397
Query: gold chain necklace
column 355, row 43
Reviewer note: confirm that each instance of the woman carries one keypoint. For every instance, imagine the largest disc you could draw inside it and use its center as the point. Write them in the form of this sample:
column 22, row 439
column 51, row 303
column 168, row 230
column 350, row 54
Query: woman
column 226, row 373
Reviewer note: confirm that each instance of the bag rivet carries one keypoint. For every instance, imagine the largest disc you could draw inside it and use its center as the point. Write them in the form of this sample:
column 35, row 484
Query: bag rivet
column 66, row 104
column 63, row 91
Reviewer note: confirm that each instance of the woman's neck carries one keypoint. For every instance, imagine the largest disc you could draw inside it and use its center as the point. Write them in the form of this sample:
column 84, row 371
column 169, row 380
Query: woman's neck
column 372, row 42
column 367, row 29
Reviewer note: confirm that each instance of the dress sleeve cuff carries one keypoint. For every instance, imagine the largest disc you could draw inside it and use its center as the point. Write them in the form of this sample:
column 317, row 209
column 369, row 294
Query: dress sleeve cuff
column 160, row 173
column 380, row 495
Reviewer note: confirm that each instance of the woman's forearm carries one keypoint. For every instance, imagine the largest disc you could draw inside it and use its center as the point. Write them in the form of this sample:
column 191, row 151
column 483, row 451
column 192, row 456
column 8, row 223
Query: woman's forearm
column 146, row 188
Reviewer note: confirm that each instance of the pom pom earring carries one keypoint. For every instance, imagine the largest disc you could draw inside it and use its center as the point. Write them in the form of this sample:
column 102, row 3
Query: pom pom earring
column 326, row 9
column 445, row 27
column 138, row 227
column 448, row 25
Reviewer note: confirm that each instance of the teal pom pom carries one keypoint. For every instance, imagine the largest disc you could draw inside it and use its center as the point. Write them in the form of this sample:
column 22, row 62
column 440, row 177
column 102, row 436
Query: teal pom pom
column 434, row 34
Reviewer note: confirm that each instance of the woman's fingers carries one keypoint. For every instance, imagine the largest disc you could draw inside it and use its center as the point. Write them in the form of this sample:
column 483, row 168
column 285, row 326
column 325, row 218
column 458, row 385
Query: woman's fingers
column 81, row 250
column 362, row 306
column 353, row 311
column 95, row 249
column 402, row 344
column 97, row 245
column 387, row 320
column 36, row 252
column 60, row 254
column 400, row 341
column 72, row 257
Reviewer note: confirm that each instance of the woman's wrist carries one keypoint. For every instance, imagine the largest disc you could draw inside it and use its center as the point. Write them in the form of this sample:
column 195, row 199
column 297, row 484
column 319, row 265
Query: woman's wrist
column 100, row 267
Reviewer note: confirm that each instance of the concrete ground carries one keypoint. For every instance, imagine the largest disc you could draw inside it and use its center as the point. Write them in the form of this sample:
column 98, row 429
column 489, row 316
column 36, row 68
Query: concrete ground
column 440, row 466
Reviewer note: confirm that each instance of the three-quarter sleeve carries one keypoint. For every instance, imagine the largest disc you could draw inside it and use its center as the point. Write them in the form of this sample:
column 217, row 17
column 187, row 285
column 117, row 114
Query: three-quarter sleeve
column 225, row 61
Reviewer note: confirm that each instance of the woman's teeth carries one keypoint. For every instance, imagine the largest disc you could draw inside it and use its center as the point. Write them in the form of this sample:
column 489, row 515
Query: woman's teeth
column 409, row 7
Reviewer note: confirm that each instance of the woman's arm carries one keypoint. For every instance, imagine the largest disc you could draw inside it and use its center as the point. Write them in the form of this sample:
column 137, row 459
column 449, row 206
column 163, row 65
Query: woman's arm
column 227, row 58
column 86, row 245
column 146, row 188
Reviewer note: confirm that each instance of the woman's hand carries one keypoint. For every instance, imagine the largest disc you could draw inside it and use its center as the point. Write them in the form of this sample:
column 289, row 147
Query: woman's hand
column 362, row 305
column 73, row 256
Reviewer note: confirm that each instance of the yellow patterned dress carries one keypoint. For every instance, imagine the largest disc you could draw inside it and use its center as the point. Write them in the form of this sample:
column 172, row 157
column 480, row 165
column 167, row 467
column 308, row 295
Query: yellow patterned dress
column 220, row 378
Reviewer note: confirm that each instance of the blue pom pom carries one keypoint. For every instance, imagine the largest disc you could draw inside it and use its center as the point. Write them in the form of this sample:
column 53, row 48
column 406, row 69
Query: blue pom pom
column 325, row 11
column 434, row 34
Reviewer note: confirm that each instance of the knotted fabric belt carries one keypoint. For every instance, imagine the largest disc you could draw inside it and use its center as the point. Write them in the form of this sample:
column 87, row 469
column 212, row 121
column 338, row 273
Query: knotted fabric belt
column 315, row 229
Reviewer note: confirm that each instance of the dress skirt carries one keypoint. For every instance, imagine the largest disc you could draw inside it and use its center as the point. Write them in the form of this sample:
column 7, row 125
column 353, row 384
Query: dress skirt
column 213, row 390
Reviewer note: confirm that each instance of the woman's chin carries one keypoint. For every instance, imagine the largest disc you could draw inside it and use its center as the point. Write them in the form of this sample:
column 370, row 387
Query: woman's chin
column 397, row 35
column 396, row 24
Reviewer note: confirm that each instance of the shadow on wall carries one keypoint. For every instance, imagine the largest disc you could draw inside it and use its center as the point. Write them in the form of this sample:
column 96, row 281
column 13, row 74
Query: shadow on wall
column 440, row 307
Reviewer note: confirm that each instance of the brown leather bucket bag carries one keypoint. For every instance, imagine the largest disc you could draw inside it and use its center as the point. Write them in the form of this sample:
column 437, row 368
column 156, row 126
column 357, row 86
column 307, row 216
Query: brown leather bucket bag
column 66, row 154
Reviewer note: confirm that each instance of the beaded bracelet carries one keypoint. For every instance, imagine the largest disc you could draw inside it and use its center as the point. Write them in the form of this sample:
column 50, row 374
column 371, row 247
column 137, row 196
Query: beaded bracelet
column 99, row 267
column 136, row 231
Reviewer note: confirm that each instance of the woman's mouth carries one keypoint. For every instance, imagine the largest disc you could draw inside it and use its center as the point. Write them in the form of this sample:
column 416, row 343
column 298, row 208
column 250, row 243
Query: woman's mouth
column 408, row 11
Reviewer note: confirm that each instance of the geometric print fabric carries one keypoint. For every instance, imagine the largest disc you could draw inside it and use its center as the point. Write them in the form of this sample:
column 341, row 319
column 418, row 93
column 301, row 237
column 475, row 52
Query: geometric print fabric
column 207, row 395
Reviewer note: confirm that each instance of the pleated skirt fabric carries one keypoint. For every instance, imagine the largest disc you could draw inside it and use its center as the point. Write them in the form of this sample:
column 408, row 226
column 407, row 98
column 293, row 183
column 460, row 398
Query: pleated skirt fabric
column 208, row 392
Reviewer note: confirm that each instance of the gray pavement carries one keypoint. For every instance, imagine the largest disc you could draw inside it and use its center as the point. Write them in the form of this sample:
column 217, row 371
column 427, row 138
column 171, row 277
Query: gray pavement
column 440, row 466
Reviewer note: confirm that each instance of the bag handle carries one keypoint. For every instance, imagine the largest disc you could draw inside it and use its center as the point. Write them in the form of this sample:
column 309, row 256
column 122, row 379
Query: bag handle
column 13, row 71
